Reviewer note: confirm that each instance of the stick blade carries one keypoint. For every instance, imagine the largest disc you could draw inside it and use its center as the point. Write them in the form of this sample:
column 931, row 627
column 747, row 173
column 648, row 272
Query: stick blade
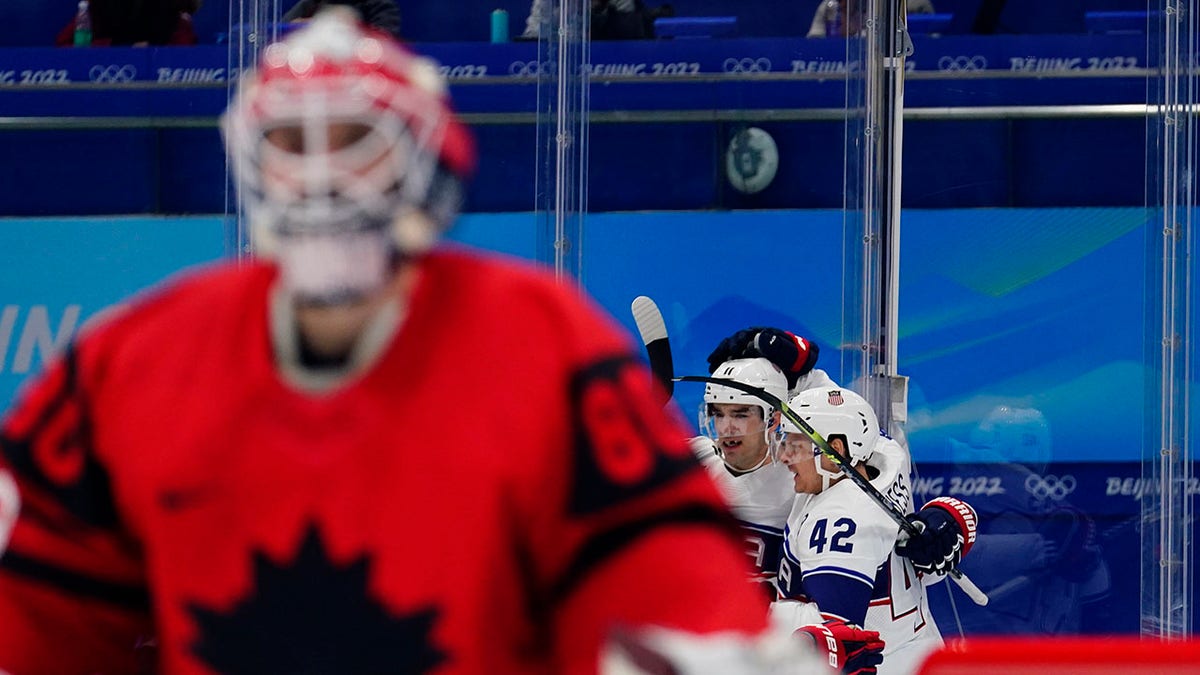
column 653, row 331
column 649, row 320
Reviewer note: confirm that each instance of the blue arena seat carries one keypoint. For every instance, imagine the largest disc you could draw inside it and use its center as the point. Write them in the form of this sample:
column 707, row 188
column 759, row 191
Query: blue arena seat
column 695, row 26
column 927, row 24
column 1041, row 17
column 755, row 18
column 1118, row 23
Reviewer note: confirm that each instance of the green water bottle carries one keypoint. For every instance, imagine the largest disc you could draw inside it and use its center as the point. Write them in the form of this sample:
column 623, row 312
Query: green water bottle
column 499, row 26
column 83, row 25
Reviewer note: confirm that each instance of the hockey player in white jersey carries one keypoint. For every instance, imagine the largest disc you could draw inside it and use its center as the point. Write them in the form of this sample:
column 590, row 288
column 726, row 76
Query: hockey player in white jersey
column 946, row 534
column 838, row 556
column 738, row 449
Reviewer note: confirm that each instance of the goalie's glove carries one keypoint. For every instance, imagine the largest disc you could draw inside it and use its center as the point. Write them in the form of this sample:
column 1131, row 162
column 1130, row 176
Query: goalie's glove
column 794, row 355
column 846, row 647
column 947, row 534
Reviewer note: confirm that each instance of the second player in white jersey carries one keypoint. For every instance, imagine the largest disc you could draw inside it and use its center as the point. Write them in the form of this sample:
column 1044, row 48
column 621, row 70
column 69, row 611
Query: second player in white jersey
column 742, row 434
column 760, row 500
column 839, row 544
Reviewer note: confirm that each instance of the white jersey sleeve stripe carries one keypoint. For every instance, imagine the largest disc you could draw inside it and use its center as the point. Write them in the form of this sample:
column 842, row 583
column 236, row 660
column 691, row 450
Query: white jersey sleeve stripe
column 840, row 571
column 759, row 527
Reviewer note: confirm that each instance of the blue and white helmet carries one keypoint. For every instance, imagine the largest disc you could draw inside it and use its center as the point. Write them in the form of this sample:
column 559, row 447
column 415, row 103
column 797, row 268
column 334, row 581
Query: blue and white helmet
column 1009, row 433
column 834, row 411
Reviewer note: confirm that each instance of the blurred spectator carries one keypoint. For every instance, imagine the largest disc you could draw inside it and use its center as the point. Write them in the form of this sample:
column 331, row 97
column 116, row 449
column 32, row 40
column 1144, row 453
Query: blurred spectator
column 625, row 19
column 137, row 23
column 988, row 17
column 1037, row 555
column 539, row 13
column 838, row 18
column 611, row 19
column 383, row 15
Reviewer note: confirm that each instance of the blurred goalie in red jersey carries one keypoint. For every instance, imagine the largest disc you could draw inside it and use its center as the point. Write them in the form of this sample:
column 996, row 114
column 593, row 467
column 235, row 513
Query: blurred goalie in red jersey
column 282, row 466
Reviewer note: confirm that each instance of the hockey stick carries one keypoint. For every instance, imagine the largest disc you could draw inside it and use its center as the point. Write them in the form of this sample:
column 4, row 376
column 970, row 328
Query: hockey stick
column 907, row 528
column 653, row 330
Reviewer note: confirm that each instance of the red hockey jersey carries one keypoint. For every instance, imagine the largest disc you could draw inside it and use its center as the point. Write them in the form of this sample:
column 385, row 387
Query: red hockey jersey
column 493, row 494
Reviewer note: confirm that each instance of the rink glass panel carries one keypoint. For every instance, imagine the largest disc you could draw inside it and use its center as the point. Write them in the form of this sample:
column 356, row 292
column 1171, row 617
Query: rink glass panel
column 1031, row 293
column 1025, row 292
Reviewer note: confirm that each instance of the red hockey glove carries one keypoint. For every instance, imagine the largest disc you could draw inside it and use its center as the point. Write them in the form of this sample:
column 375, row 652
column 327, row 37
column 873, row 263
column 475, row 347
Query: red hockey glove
column 948, row 532
column 850, row 649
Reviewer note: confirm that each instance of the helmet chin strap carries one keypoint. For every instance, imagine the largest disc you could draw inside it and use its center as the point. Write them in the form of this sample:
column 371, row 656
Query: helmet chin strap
column 827, row 477
column 761, row 463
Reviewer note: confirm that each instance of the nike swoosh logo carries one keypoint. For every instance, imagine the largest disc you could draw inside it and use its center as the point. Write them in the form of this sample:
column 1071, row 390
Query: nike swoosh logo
column 183, row 498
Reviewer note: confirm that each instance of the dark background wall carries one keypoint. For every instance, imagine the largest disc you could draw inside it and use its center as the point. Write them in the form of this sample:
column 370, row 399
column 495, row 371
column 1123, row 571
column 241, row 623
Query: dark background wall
column 28, row 23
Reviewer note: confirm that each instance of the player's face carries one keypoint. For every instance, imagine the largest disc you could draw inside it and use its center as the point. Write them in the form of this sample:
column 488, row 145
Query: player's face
column 341, row 135
column 800, row 455
column 741, row 434
column 333, row 220
column 282, row 180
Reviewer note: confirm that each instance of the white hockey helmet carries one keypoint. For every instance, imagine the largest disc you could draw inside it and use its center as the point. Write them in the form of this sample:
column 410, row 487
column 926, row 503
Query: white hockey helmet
column 757, row 372
column 1009, row 433
column 336, row 139
column 834, row 411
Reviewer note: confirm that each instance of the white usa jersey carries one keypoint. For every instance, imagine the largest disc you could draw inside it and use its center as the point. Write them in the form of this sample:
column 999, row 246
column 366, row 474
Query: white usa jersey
column 760, row 500
column 811, row 380
column 841, row 539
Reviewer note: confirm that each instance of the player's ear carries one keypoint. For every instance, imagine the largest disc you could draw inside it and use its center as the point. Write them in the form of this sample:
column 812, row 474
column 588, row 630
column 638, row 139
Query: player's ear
column 775, row 417
column 838, row 444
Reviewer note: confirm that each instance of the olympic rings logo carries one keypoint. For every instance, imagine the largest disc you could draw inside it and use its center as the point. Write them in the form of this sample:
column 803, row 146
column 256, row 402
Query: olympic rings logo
column 959, row 63
column 1049, row 487
column 113, row 73
column 746, row 65
column 525, row 68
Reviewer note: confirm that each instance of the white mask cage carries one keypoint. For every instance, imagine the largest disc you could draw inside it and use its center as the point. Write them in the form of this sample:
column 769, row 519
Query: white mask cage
column 334, row 140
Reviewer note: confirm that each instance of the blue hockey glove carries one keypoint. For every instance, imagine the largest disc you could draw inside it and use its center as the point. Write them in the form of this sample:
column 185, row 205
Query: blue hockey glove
column 731, row 347
column 794, row 355
column 947, row 534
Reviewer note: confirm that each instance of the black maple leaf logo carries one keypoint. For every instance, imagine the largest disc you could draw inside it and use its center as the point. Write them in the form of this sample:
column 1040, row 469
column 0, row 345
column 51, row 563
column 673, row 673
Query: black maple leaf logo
column 310, row 617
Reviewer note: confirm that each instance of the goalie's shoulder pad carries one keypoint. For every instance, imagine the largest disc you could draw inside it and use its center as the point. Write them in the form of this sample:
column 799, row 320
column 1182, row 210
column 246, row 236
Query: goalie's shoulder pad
column 963, row 513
